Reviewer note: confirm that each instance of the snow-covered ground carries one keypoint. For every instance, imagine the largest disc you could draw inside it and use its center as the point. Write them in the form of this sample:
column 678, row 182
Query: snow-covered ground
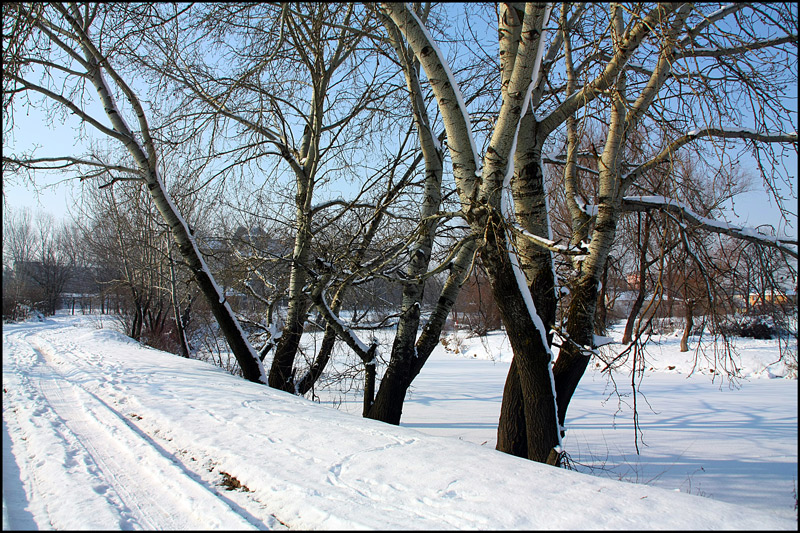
column 101, row 433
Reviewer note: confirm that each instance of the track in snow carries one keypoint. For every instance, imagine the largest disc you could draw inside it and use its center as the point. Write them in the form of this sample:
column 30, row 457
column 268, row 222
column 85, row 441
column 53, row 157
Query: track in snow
column 131, row 481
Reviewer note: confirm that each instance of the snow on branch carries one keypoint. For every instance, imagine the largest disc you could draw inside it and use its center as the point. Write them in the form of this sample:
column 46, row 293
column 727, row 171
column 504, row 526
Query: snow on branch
column 710, row 19
column 683, row 212
column 366, row 353
column 548, row 244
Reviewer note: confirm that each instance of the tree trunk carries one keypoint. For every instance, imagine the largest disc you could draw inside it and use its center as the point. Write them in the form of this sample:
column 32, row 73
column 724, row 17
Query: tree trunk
column 530, row 209
column 635, row 308
column 687, row 331
column 182, row 342
column 388, row 404
column 572, row 360
column 408, row 352
column 512, row 436
column 369, row 385
column 280, row 373
column 640, row 295
column 531, row 357
column 407, row 359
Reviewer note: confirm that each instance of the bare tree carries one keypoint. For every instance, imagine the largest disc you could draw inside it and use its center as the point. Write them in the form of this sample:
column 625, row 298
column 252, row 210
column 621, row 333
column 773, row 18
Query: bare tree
column 64, row 42
column 314, row 44
column 640, row 59
column 40, row 257
column 18, row 253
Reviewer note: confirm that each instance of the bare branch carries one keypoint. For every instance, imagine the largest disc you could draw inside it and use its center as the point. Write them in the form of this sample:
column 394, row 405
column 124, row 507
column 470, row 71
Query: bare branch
column 682, row 212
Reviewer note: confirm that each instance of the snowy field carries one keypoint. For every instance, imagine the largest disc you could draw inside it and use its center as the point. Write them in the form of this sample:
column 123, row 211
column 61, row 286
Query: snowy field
column 101, row 433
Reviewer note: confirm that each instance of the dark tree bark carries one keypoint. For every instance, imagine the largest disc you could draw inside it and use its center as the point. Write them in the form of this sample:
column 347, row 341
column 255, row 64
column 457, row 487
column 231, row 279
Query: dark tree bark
column 408, row 357
column 531, row 213
column 532, row 360
column 572, row 359
column 641, row 289
column 687, row 330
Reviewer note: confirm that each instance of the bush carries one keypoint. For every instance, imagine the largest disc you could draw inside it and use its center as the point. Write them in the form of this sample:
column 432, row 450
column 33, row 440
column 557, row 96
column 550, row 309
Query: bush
column 14, row 311
column 753, row 327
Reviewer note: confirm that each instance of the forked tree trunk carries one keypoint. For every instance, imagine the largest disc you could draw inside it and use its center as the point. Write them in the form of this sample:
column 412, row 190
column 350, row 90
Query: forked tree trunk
column 407, row 354
column 530, row 385
column 481, row 197
column 408, row 357
column 574, row 357
column 530, row 209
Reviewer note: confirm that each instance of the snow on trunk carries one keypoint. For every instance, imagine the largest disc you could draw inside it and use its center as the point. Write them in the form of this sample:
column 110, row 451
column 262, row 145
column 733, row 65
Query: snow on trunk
column 507, row 211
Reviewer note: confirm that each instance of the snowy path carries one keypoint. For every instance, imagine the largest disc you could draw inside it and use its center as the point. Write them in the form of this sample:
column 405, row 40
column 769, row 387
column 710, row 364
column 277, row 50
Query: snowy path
column 112, row 466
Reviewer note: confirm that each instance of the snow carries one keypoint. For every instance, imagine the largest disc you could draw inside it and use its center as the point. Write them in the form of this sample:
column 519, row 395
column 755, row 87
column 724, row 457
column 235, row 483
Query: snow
column 719, row 11
column 350, row 333
column 602, row 340
column 102, row 433
column 591, row 210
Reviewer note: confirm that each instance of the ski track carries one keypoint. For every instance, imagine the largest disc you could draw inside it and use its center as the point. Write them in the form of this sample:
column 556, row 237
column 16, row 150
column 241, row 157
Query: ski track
column 116, row 467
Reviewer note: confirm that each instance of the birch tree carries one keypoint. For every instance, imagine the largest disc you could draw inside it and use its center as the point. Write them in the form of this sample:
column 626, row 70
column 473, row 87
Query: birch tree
column 642, row 68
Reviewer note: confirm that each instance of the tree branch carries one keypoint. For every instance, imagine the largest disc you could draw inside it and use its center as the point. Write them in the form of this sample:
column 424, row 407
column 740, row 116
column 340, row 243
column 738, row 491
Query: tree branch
column 684, row 213
column 741, row 133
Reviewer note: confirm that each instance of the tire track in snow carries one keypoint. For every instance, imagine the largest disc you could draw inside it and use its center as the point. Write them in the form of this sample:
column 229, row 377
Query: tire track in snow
column 144, row 484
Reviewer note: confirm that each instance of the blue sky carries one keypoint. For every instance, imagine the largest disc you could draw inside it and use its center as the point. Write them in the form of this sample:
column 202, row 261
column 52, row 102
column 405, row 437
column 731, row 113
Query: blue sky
column 55, row 193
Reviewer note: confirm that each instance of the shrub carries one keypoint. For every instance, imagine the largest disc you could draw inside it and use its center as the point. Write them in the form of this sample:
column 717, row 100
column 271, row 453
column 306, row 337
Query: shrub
column 752, row 327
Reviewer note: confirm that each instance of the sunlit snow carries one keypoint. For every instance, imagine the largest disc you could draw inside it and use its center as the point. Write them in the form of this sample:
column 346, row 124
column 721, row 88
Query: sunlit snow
column 102, row 433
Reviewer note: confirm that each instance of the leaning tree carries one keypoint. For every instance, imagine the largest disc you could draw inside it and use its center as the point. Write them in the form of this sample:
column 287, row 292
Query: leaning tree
column 64, row 57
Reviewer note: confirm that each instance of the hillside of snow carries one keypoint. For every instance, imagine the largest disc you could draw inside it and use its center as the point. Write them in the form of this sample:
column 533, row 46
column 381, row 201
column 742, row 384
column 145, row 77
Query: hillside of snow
column 102, row 433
